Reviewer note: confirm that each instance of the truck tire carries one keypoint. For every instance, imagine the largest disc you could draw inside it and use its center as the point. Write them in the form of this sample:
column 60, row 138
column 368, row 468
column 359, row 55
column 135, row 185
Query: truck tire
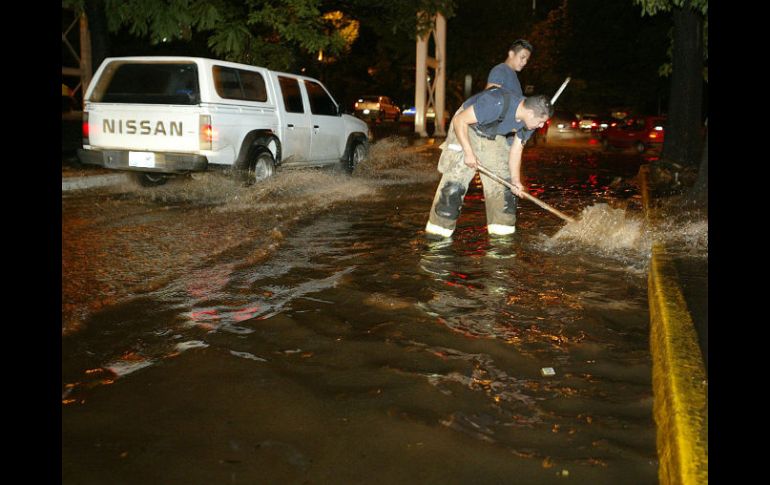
column 150, row 179
column 640, row 147
column 358, row 152
column 260, row 166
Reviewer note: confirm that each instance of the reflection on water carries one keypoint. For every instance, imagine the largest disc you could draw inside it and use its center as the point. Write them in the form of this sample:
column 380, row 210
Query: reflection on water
column 345, row 347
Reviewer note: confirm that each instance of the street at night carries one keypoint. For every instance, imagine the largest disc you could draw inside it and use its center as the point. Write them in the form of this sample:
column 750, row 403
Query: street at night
column 306, row 331
column 384, row 242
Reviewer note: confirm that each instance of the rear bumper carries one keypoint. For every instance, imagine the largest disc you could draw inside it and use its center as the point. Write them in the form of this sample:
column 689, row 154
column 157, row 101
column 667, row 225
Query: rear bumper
column 370, row 114
column 164, row 162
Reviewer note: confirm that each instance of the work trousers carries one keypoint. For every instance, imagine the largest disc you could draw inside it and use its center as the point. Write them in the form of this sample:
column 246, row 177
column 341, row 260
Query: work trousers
column 499, row 200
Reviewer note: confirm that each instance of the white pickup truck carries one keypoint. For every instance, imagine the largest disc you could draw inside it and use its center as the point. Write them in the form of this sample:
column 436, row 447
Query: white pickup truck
column 157, row 116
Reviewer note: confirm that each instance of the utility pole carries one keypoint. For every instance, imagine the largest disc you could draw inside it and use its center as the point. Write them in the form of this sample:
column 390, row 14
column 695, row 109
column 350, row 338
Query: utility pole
column 431, row 94
column 82, row 57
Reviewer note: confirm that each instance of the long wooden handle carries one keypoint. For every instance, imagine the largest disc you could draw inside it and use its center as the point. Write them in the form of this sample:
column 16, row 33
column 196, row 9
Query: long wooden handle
column 526, row 195
column 556, row 96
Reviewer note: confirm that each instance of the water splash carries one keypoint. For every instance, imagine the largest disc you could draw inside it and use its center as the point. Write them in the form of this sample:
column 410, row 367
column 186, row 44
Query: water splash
column 624, row 235
column 391, row 159
column 683, row 227
column 608, row 229
column 302, row 190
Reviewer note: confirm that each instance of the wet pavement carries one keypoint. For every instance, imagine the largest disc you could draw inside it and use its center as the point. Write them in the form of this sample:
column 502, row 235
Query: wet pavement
column 305, row 331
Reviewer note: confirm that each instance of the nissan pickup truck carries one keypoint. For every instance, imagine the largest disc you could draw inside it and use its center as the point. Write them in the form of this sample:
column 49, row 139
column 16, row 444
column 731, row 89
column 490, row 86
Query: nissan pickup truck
column 158, row 116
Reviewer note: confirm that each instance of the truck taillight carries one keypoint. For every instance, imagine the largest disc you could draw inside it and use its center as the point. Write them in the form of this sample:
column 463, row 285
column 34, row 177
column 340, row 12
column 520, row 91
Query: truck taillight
column 85, row 129
column 206, row 132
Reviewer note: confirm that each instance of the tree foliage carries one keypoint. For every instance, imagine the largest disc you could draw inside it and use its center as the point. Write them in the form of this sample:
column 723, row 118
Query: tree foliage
column 265, row 32
column 251, row 31
column 653, row 7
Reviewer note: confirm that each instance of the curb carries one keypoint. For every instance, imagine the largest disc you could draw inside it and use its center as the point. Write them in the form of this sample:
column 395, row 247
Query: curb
column 88, row 182
column 680, row 386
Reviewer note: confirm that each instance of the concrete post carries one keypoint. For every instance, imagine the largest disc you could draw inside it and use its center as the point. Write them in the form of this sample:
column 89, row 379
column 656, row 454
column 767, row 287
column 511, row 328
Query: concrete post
column 420, row 88
column 436, row 92
column 440, row 82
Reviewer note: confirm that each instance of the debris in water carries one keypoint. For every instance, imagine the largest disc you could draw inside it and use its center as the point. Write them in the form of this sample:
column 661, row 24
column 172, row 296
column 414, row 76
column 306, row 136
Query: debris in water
column 191, row 344
column 247, row 355
column 122, row 368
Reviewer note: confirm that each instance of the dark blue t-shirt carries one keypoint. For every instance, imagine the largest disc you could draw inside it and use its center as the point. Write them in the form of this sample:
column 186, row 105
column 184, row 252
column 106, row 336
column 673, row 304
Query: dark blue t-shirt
column 488, row 105
column 506, row 77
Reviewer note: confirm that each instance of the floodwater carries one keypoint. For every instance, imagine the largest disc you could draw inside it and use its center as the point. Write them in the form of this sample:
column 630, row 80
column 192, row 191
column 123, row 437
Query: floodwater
column 306, row 331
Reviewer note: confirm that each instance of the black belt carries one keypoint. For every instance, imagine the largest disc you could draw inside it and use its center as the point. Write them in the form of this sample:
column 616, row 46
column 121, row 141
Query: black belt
column 481, row 133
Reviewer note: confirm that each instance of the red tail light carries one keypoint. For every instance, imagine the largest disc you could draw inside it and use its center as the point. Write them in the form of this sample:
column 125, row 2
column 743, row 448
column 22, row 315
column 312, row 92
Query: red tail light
column 207, row 133
column 574, row 124
column 85, row 129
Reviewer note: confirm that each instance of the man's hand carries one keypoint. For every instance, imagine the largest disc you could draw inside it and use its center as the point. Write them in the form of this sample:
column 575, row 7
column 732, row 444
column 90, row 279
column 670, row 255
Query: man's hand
column 518, row 189
column 470, row 159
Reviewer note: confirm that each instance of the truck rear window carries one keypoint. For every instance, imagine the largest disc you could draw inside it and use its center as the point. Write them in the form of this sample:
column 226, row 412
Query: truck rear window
column 148, row 83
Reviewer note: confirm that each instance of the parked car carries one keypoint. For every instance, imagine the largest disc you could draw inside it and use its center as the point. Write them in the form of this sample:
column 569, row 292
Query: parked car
column 376, row 108
column 562, row 125
column 602, row 123
column 589, row 122
column 639, row 132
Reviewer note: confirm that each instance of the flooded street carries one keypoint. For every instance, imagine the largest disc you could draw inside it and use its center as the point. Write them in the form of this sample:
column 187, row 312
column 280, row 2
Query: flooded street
column 305, row 331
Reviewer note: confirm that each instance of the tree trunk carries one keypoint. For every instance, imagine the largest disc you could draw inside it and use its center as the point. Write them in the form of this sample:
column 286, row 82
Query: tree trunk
column 683, row 132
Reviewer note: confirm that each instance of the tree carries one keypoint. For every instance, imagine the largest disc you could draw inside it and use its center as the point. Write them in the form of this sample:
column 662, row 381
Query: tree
column 687, row 54
column 688, row 68
column 265, row 32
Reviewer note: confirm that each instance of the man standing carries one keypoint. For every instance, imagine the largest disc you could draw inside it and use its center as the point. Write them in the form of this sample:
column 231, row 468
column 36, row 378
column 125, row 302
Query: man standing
column 492, row 127
column 504, row 74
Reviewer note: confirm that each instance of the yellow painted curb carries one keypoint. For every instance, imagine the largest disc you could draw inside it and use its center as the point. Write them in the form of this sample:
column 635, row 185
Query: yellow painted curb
column 680, row 386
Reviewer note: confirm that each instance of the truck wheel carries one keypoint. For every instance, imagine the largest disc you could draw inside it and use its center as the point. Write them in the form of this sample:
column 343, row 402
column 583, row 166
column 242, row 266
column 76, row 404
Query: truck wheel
column 640, row 148
column 261, row 166
column 357, row 155
column 150, row 179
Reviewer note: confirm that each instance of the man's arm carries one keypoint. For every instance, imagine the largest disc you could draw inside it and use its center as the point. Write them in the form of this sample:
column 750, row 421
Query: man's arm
column 514, row 164
column 496, row 76
column 461, row 123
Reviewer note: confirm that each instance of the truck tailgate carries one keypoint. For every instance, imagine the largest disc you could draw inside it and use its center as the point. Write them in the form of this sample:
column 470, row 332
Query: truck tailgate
column 144, row 127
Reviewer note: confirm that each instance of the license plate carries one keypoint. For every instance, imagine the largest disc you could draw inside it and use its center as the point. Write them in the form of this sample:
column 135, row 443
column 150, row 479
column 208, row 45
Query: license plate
column 141, row 159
